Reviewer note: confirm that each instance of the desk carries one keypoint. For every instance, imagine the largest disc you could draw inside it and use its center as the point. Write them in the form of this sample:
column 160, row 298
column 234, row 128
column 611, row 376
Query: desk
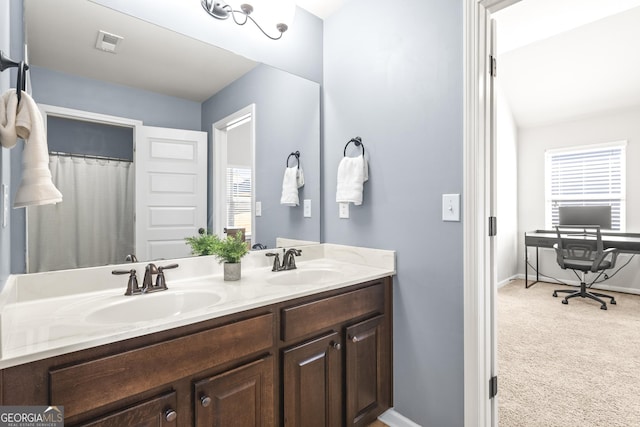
column 624, row 242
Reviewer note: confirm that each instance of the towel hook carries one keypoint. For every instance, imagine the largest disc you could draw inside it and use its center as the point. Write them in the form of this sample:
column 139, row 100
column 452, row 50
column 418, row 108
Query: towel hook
column 296, row 154
column 357, row 141
column 6, row 62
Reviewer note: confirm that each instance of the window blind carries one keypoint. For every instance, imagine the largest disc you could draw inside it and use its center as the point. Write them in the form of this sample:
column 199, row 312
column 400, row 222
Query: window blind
column 586, row 176
column 239, row 189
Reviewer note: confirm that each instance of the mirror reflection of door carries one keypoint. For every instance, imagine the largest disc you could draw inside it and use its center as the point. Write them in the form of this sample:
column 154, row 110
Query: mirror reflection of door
column 92, row 165
column 234, row 140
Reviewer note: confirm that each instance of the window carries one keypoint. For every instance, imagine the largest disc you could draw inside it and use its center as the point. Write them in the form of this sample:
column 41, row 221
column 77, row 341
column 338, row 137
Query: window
column 239, row 199
column 586, row 176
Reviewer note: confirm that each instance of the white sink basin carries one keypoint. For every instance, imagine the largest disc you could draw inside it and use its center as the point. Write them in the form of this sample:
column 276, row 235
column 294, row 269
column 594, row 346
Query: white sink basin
column 146, row 307
column 315, row 276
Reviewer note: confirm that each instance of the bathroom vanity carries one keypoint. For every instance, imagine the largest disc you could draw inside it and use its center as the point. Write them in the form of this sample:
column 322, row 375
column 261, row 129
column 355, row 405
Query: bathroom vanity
column 307, row 347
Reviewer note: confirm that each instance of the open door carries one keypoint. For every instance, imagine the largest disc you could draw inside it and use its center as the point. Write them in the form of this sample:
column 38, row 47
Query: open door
column 171, row 190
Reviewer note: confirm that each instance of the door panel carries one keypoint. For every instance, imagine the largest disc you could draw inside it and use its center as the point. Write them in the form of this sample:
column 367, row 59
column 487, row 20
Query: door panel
column 171, row 190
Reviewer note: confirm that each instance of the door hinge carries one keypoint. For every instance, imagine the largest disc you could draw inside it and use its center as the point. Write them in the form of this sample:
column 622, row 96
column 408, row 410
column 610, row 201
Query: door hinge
column 493, row 226
column 493, row 387
column 493, row 66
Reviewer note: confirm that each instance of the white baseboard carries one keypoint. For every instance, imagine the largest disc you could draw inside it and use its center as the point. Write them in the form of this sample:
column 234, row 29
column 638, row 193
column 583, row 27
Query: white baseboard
column 599, row 286
column 394, row 419
column 509, row 280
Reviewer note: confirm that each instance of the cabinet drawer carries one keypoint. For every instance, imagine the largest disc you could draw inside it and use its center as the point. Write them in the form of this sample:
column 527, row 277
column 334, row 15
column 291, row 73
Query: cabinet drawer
column 315, row 316
column 92, row 384
column 158, row 412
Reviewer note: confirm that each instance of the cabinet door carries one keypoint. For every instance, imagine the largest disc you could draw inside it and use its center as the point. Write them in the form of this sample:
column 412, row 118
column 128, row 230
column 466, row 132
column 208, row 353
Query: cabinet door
column 312, row 389
column 242, row 397
column 158, row 412
column 367, row 363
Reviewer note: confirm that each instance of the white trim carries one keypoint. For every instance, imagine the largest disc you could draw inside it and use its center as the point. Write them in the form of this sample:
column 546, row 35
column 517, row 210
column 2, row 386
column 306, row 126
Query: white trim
column 586, row 147
column 392, row 418
column 218, row 153
column 509, row 280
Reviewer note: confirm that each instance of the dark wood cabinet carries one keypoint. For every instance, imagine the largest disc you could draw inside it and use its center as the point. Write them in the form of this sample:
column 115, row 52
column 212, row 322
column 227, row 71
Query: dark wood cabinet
column 158, row 412
column 322, row 360
column 242, row 397
column 312, row 383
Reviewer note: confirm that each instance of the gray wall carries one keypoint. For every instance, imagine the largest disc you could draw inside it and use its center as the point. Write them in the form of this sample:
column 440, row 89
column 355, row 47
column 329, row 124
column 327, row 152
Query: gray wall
column 65, row 90
column 396, row 81
column 287, row 119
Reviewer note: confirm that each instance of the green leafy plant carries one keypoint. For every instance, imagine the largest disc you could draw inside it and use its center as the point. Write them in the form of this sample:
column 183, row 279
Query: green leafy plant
column 230, row 249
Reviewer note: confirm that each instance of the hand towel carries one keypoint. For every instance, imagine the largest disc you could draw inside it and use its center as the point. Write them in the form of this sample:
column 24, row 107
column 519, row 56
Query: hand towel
column 8, row 108
column 36, row 187
column 353, row 172
column 293, row 179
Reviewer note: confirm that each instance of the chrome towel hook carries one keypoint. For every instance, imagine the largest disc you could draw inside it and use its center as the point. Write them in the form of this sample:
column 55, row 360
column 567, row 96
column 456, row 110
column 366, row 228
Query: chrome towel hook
column 358, row 143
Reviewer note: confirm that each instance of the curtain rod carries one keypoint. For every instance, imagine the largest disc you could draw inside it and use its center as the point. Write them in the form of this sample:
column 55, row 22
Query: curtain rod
column 88, row 156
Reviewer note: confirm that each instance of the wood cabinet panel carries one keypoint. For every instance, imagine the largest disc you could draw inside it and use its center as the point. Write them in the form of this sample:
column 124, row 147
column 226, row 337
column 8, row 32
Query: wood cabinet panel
column 152, row 413
column 301, row 320
column 89, row 385
column 242, row 397
column 366, row 369
column 312, row 388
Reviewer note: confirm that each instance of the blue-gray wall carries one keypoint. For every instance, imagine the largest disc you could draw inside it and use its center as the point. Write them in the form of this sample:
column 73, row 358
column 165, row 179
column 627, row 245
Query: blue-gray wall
column 396, row 81
column 287, row 119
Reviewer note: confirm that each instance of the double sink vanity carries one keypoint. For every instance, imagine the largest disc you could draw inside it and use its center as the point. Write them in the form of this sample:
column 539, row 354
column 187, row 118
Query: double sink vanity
column 310, row 346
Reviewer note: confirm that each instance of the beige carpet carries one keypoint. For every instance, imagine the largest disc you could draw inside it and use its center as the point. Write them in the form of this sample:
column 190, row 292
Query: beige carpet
column 567, row 365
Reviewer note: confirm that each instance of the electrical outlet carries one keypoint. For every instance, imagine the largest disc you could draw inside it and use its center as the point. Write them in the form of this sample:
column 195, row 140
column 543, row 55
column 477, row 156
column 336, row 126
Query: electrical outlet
column 343, row 210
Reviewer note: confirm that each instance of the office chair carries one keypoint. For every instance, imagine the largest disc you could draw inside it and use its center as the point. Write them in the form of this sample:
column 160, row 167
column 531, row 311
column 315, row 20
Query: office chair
column 580, row 248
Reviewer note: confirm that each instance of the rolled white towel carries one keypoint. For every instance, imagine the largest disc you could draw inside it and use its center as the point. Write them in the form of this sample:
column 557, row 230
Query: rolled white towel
column 353, row 172
column 293, row 179
column 36, row 187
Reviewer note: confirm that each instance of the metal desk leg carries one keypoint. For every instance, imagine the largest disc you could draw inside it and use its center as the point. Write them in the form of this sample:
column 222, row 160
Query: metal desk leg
column 526, row 269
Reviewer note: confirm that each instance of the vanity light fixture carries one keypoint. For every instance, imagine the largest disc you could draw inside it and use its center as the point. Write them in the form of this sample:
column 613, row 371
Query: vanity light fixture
column 278, row 13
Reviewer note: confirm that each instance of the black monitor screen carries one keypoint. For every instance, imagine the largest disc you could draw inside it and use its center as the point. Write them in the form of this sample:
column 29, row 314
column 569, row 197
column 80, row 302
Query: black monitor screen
column 586, row 215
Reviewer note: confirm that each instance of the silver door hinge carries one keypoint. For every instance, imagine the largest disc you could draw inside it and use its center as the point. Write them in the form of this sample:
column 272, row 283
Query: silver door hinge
column 493, row 66
column 493, row 226
column 493, row 387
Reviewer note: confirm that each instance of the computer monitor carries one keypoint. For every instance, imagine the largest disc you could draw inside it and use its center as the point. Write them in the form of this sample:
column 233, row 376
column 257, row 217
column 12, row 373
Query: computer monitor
column 586, row 215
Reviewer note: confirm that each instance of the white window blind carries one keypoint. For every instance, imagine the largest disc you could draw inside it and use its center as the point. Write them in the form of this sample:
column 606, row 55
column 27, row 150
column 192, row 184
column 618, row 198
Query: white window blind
column 586, row 176
column 239, row 199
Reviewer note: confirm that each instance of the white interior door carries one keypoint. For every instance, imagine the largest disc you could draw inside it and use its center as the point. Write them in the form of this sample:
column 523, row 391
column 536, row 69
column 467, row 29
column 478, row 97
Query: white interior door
column 171, row 190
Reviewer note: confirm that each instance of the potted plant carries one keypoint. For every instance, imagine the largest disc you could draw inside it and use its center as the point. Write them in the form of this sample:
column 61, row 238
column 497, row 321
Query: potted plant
column 228, row 250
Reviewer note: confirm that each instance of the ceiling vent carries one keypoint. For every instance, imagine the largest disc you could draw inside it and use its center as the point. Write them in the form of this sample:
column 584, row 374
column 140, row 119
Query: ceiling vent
column 107, row 41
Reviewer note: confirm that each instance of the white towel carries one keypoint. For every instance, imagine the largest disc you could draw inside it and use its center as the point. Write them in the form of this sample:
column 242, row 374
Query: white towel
column 293, row 179
column 36, row 187
column 353, row 172
column 8, row 109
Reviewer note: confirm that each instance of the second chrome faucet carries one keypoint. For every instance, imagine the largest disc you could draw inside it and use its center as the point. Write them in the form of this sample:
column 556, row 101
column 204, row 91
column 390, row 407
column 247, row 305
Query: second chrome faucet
column 288, row 259
column 148, row 285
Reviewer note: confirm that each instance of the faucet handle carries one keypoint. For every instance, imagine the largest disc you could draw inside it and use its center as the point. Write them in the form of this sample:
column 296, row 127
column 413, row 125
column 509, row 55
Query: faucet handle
column 132, row 283
column 276, row 260
column 160, row 280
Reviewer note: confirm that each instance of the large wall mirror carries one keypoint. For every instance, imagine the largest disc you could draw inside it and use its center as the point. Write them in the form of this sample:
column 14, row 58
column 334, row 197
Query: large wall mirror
column 163, row 79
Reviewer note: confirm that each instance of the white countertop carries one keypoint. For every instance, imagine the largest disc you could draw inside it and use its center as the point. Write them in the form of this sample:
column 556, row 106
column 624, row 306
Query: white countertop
column 47, row 314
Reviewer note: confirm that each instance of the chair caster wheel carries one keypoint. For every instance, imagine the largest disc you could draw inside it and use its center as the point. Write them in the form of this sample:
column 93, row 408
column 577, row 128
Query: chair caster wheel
column 555, row 294
column 564, row 301
column 613, row 302
column 603, row 307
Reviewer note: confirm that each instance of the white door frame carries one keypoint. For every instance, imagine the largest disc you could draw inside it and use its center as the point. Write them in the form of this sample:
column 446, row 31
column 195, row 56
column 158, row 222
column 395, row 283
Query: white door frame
column 219, row 175
column 479, row 313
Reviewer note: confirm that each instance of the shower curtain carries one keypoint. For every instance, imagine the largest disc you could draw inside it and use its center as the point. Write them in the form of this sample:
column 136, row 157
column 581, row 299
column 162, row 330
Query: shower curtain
column 94, row 224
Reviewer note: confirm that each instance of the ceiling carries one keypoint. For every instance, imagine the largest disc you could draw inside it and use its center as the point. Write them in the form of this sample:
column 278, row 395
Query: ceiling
column 566, row 59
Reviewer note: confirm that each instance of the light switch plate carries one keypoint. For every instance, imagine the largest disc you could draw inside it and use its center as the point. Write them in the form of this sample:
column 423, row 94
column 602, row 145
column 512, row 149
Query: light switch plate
column 343, row 210
column 258, row 208
column 451, row 207
column 307, row 208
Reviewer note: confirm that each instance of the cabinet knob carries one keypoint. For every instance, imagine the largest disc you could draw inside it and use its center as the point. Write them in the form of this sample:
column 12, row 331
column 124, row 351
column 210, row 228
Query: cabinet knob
column 205, row 401
column 170, row 415
column 354, row 339
column 336, row 345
